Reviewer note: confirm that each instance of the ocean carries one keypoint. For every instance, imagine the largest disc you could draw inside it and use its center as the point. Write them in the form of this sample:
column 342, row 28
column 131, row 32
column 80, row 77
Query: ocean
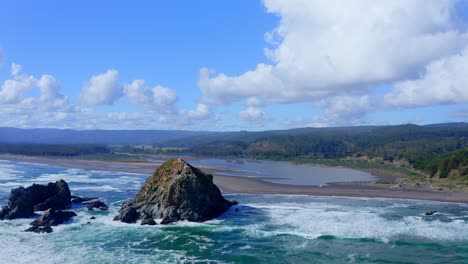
column 263, row 229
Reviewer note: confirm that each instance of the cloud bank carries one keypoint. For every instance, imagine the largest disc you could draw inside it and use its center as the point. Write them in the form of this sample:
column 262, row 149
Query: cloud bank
column 327, row 48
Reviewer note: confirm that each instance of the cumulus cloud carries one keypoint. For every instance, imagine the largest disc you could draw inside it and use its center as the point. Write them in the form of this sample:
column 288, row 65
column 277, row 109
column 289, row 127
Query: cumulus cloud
column 12, row 90
column 202, row 111
column 50, row 108
column 253, row 114
column 344, row 110
column 157, row 99
column 445, row 81
column 164, row 98
column 325, row 48
column 51, row 98
column 102, row 89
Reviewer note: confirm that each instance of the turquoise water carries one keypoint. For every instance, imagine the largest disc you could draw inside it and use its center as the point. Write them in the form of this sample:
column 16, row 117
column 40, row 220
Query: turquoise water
column 264, row 229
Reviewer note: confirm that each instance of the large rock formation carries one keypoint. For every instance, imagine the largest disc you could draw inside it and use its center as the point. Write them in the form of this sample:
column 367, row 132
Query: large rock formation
column 23, row 202
column 176, row 191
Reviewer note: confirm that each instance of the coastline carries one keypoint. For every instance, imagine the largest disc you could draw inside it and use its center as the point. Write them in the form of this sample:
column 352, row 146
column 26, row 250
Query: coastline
column 245, row 185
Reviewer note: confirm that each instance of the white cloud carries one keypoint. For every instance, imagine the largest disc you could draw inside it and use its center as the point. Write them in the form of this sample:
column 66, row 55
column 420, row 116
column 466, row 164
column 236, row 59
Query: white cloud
column 253, row 114
column 164, row 98
column 202, row 111
column 329, row 48
column 12, row 90
column 50, row 88
column 157, row 99
column 137, row 93
column 444, row 82
column 50, row 108
column 51, row 98
column 102, row 89
column 344, row 110
column 15, row 69
column 254, row 102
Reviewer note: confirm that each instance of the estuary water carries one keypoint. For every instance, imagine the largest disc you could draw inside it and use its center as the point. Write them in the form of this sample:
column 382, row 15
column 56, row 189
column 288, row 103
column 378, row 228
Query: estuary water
column 280, row 171
column 263, row 229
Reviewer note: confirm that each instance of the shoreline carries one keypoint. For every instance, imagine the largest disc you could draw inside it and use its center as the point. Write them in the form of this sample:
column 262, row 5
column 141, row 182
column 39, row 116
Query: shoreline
column 246, row 185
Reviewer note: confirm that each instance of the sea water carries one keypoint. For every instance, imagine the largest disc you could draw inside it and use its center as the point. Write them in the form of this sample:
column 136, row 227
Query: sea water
column 261, row 229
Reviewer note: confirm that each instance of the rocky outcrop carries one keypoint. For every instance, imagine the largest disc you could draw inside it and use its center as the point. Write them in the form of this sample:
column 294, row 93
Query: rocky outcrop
column 52, row 199
column 23, row 202
column 51, row 217
column 96, row 204
column 91, row 202
column 176, row 191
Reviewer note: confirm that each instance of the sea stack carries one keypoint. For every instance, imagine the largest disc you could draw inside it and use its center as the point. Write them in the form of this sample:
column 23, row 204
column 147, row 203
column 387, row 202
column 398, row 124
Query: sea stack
column 23, row 202
column 176, row 191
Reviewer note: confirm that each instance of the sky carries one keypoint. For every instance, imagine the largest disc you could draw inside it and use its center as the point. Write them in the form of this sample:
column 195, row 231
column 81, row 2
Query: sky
column 232, row 65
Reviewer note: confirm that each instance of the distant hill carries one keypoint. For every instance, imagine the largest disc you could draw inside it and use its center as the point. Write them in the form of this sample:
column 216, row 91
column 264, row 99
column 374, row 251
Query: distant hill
column 452, row 124
column 69, row 136
column 182, row 138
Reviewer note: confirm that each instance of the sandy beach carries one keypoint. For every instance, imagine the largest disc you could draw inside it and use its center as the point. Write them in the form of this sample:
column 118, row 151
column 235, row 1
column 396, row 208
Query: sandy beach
column 245, row 185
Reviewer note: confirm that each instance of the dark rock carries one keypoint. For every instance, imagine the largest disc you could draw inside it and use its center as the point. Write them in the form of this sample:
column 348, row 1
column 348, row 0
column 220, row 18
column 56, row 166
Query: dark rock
column 147, row 220
column 96, row 204
column 81, row 199
column 40, row 229
column 4, row 212
column 176, row 191
column 51, row 217
column 127, row 215
column 23, row 202
column 92, row 218
column 431, row 212
column 56, row 196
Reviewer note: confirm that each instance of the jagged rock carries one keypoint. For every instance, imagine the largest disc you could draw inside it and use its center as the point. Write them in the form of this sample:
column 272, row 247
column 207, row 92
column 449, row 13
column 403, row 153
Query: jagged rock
column 147, row 220
column 92, row 218
column 51, row 217
column 40, row 229
column 96, row 204
column 176, row 191
column 23, row 202
column 81, row 199
column 127, row 215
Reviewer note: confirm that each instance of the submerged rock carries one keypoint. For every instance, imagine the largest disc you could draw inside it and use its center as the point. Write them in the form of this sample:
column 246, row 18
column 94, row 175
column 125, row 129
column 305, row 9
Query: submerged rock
column 23, row 202
column 176, row 191
column 91, row 202
column 51, row 217
column 81, row 199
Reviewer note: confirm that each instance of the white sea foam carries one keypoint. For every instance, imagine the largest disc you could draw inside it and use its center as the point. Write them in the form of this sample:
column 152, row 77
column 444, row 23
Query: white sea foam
column 99, row 188
column 9, row 171
column 313, row 220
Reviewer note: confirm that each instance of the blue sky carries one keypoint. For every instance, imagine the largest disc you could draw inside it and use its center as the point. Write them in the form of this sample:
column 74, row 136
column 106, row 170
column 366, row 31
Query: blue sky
column 231, row 65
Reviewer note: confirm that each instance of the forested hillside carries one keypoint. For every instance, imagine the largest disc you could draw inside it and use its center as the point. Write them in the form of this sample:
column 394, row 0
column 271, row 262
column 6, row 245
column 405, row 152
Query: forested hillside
column 419, row 145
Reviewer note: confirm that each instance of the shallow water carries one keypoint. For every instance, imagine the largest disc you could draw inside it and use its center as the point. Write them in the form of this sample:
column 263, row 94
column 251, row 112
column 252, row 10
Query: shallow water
column 264, row 229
